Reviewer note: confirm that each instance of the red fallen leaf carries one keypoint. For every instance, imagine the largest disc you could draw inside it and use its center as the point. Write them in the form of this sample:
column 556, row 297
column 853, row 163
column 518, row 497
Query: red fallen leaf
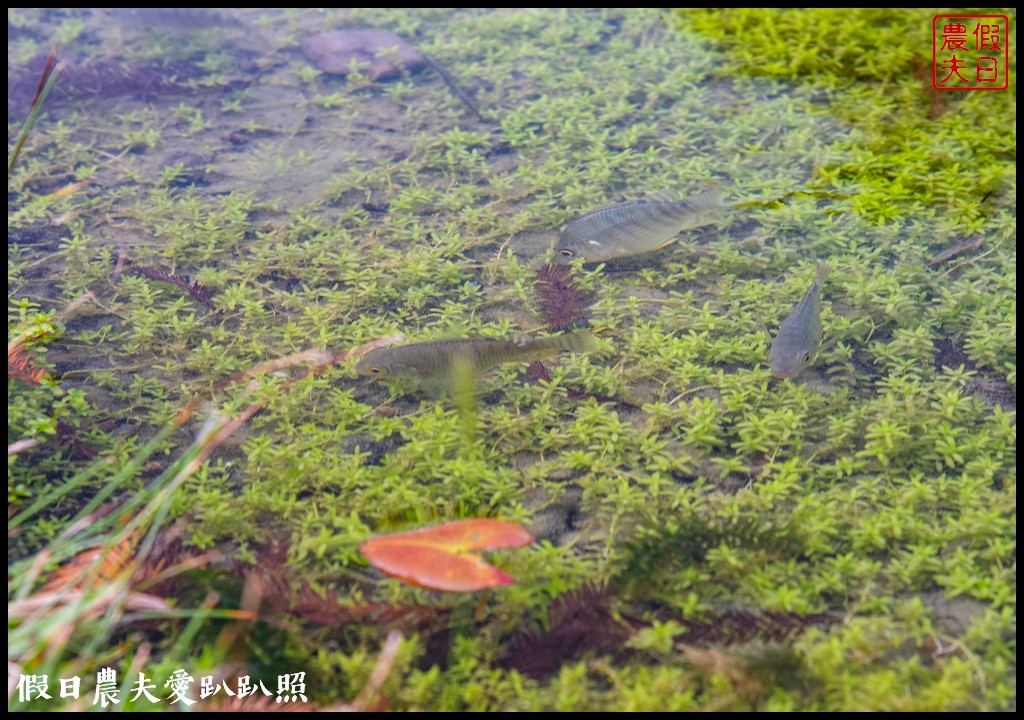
column 439, row 558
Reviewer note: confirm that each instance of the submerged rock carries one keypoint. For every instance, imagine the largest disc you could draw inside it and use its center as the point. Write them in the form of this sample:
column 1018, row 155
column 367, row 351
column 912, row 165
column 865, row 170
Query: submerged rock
column 333, row 52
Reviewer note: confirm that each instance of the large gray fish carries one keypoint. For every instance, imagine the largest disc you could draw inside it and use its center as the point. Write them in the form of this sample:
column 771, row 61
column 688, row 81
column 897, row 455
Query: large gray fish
column 636, row 226
column 440, row 363
column 800, row 334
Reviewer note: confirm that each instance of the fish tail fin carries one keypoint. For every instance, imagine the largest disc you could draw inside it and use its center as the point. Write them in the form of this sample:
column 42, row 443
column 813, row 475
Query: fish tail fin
column 712, row 194
column 822, row 272
column 581, row 341
column 578, row 341
column 709, row 199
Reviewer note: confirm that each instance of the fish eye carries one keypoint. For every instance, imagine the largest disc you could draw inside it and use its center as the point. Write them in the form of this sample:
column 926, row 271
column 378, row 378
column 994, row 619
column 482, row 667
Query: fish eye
column 565, row 252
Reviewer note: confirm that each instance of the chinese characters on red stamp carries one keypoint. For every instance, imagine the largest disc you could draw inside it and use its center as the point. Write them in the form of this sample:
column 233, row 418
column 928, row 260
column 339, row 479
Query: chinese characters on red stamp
column 970, row 52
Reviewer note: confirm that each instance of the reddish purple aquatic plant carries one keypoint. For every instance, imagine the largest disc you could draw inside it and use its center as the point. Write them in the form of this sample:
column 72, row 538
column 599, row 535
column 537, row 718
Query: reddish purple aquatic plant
column 104, row 80
column 562, row 301
column 200, row 292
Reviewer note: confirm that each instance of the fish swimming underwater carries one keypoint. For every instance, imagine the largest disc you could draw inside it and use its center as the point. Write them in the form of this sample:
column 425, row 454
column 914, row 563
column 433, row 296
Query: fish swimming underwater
column 635, row 226
column 800, row 334
column 439, row 363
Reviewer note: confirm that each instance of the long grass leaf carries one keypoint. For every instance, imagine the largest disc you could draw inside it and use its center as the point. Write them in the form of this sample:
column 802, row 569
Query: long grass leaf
column 49, row 77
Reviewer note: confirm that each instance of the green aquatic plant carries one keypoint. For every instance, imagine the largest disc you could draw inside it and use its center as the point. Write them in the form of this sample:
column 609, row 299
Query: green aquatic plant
column 878, row 483
column 868, row 62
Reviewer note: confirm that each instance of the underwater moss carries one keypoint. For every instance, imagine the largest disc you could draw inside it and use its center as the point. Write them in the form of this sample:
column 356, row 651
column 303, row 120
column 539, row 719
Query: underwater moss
column 868, row 63
column 312, row 214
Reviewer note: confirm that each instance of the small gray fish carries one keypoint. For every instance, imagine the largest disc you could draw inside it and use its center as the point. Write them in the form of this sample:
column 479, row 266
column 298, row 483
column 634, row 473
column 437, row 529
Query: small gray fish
column 800, row 334
column 636, row 226
column 442, row 362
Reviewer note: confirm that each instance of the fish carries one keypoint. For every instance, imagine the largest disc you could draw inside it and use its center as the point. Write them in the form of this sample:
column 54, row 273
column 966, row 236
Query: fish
column 800, row 334
column 443, row 364
column 636, row 226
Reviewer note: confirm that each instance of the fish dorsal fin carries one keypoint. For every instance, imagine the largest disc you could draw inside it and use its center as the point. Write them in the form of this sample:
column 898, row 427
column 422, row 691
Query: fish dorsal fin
column 662, row 196
column 709, row 197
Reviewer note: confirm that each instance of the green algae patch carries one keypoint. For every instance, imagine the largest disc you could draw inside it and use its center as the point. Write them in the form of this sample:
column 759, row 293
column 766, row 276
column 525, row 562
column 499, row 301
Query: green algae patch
column 708, row 537
column 830, row 47
column 916, row 150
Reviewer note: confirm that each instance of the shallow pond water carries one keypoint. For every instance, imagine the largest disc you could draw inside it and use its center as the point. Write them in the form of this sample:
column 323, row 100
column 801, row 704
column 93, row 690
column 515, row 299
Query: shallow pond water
column 221, row 204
